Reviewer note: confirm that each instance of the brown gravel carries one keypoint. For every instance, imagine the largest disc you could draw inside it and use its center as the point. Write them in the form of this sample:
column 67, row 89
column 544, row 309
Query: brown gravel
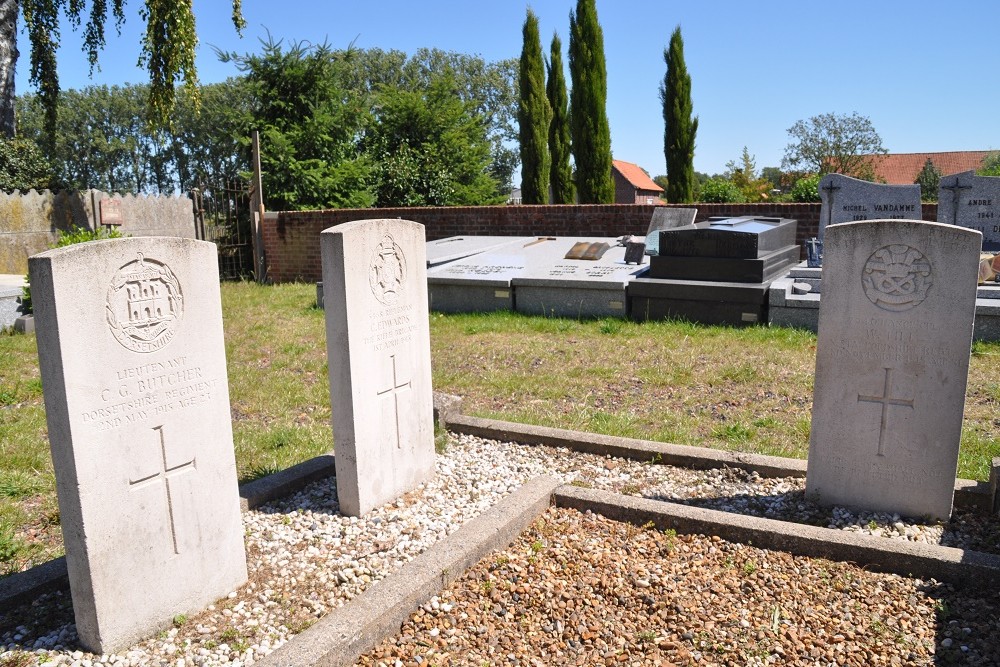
column 580, row 589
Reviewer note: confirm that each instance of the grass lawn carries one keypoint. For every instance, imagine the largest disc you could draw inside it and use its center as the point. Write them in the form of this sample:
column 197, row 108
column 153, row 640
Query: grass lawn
column 738, row 389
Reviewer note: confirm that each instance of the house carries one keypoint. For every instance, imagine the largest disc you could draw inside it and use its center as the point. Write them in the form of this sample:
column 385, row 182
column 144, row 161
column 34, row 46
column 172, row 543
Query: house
column 633, row 185
column 903, row 168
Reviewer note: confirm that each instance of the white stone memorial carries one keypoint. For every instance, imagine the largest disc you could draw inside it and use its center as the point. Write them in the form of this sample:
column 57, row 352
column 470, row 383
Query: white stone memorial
column 378, row 352
column 133, row 362
column 892, row 364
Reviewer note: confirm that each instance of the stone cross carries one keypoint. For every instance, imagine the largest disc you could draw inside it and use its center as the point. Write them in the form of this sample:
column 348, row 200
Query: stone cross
column 885, row 400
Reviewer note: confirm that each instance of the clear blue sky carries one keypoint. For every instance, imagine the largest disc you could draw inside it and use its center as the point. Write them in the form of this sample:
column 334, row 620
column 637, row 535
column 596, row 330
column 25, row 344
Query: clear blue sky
column 925, row 73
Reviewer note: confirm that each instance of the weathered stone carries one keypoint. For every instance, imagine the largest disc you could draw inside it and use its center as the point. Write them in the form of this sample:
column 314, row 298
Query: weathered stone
column 892, row 361
column 846, row 199
column 133, row 362
column 378, row 350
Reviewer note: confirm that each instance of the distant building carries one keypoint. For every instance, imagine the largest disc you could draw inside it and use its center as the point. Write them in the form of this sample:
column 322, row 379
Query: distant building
column 515, row 196
column 903, row 168
column 633, row 185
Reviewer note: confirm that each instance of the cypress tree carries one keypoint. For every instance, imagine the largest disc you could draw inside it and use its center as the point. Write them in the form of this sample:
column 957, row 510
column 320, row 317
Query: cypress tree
column 679, row 126
column 533, row 116
column 588, row 99
column 555, row 89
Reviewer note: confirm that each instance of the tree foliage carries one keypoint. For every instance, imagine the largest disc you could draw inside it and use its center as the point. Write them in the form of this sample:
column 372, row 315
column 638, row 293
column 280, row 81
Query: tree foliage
column 561, row 178
column 533, row 117
column 744, row 176
column 928, row 179
column 806, row 189
column 591, row 133
column 429, row 148
column 680, row 126
column 990, row 166
column 168, row 48
column 23, row 166
column 832, row 143
column 721, row 190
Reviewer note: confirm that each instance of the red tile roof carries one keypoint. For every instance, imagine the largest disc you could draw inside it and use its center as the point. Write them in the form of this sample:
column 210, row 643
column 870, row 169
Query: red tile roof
column 903, row 168
column 634, row 174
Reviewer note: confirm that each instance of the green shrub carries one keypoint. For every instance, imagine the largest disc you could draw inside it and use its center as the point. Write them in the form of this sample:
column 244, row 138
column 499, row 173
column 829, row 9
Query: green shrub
column 721, row 191
column 65, row 238
column 806, row 189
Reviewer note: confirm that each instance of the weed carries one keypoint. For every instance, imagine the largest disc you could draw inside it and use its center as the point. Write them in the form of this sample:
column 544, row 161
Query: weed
column 228, row 635
column 179, row 620
column 670, row 539
column 502, row 561
column 647, row 636
column 872, row 525
column 486, row 585
column 581, row 484
column 630, row 489
column 10, row 546
column 17, row 659
column 537, row 546
column 749, row 567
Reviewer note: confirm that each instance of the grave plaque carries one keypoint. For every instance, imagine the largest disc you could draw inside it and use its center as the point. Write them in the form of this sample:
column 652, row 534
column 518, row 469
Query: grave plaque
column 454, row 248
column 846, row 199
column 379, row 358
column 666, row 217
column 892, row 362
column 973, row 202
column 132, row 357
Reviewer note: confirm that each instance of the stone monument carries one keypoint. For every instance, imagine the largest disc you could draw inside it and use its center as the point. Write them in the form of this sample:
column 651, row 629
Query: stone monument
column 379, row 358
column 892, row 363
column 972, row 201
column 846, row 199
column 133, row 363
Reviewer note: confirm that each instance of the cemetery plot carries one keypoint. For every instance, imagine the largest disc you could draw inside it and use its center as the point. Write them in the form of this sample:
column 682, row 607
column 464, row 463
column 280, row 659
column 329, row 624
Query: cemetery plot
column 453, row 248
column 892, row 363
column 666, row 217
column 133, row 363
column 378, row 346
column 972, row 202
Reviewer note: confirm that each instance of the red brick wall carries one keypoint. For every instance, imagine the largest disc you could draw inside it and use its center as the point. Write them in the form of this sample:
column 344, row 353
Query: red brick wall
column 291, row 238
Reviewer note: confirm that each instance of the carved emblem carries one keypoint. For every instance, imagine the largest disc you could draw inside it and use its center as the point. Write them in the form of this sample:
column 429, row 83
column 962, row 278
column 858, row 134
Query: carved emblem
column 897, row 277
column 144, row 305
column 387, row 271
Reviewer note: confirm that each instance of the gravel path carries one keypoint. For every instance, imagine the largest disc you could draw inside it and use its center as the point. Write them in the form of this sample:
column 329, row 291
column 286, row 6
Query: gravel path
column 305, row 559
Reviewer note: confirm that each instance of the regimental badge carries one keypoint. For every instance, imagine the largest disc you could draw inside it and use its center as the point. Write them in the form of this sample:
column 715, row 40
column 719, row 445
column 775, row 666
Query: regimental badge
column 145, row 305
column 897, row 277
column 387, row 271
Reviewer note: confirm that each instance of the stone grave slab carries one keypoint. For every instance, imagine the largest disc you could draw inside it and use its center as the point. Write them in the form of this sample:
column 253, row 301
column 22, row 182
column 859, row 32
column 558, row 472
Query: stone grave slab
column 480, row 283
column 735, row 238
column 731, row 303
column 442, row 251
column 892, row 361
column 666, row 217
column 554, row 286
column 973, row 202
column 378, row 350
column 846, row 199
column 132, row 357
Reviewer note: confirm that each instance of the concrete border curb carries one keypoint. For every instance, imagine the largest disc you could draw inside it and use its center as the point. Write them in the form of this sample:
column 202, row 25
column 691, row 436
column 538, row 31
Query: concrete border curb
column 913, row 559
column 347, row 632
column 50, row 576
column 968, row 493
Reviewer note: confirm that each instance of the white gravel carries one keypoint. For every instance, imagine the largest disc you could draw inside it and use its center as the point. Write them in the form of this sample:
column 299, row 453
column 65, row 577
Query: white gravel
column 305, row 559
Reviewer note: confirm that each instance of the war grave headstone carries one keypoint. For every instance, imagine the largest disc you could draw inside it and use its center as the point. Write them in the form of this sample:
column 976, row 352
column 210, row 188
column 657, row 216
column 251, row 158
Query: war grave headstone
column 132, row 358
column 666, row 217
column 973, row 202
column 846, row 199
column 379, row 358
column 574, row 277
column 892, row 362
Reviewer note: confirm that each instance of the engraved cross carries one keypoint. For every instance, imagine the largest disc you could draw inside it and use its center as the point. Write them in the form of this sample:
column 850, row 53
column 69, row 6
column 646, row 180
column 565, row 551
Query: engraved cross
column 956, row 194
column 830, row 189
column 165, row 474
column 886, row 400
column 393, row 390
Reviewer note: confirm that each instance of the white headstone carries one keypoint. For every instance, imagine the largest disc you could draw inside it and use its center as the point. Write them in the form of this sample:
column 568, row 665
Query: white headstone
column 972, row 201
column 846, row 199
column 378, row 352
column 133, row 363
column 892, row 364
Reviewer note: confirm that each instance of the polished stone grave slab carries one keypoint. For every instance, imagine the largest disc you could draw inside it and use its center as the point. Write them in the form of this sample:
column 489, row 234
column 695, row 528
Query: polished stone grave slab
column 442, row 251
column 706, row 302
column 846, row 199
column 973, row 202
column 666, row 217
